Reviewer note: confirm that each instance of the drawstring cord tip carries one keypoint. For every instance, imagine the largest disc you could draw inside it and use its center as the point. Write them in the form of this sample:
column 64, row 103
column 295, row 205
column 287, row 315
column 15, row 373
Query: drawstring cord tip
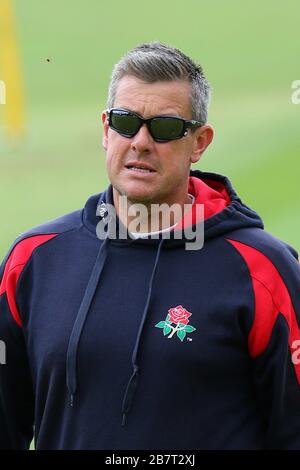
column 124, row 419
column 72, row 400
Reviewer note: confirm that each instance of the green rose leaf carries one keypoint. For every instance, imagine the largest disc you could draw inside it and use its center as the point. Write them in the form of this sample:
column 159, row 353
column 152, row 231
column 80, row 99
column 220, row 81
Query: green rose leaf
column 167, row 330
column 189, row 328
column 181, row 334
column 161, row 324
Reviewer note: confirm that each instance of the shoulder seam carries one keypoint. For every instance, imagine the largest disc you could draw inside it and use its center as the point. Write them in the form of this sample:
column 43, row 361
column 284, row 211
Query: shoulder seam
column 267, row 289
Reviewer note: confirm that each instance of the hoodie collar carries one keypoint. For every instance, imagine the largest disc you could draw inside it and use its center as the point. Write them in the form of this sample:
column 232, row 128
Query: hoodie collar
column 223, row 209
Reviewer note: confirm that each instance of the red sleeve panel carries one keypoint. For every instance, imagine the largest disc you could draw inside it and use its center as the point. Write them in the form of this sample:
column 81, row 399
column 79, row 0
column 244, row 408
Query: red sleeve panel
column 14, row 267
column 271, row 299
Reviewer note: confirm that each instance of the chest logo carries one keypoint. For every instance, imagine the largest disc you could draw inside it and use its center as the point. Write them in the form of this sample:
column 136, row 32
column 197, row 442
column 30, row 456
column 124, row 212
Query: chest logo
column 176, row 322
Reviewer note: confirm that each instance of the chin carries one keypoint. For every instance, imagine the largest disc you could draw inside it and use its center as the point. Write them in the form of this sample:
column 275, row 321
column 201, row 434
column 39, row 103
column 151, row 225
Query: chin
column 137, row 195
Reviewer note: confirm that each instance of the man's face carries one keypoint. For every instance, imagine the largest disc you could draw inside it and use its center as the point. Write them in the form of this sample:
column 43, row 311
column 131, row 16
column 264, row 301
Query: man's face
column 169, row 161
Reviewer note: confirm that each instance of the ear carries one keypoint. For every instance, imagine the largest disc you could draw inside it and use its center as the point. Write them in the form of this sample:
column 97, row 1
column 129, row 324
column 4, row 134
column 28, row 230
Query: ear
column 105, row 130
column 202, row 138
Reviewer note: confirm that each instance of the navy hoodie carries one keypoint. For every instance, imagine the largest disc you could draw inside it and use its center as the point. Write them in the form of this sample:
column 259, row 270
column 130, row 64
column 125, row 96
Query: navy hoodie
column 142, row 344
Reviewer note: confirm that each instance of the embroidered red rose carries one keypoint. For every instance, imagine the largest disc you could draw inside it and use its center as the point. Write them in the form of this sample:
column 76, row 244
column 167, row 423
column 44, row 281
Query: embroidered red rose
column 179, row 315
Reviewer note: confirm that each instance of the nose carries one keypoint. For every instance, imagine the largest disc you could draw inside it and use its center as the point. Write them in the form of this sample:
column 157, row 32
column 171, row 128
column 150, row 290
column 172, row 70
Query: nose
column 142, row 142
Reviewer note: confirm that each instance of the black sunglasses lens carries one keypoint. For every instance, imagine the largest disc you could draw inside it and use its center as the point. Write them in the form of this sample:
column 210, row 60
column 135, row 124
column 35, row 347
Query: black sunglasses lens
column 162, row 128
column 124, row 122
column 167, row 128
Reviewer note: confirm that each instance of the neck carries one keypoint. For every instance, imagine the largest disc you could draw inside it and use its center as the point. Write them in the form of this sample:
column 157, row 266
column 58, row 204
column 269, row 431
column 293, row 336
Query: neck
column 146, row 217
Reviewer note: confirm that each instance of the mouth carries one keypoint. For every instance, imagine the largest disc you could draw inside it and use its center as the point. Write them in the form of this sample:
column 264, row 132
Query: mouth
column 140, row 168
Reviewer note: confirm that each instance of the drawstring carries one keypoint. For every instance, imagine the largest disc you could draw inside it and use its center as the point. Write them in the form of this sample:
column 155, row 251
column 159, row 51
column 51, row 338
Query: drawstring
column 129, row 394
column 71, row 373
column 132, row 384
column 71, row 361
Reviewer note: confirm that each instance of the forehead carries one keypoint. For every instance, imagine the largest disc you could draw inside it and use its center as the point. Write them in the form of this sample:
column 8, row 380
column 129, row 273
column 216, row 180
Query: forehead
column 150, row 99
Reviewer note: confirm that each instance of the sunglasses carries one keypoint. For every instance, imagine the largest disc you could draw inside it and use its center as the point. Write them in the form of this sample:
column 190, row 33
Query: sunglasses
column 161, row 128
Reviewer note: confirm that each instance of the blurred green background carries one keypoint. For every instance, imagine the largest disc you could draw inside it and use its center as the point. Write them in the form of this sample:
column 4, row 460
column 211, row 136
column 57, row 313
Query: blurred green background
column 250, row 54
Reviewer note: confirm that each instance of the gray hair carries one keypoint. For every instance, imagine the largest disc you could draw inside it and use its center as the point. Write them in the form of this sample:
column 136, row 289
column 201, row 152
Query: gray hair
column 153, row 62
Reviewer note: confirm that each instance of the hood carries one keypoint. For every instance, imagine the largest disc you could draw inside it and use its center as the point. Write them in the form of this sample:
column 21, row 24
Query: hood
column 217, row 207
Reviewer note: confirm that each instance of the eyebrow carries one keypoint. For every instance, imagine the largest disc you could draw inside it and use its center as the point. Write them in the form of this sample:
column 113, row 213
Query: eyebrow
column 153, row 116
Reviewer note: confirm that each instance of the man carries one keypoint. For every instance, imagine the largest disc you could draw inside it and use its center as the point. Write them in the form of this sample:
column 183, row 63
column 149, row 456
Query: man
column 135, row 341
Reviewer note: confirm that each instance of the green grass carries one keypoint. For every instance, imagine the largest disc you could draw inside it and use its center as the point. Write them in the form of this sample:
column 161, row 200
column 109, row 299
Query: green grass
column 250, row 55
